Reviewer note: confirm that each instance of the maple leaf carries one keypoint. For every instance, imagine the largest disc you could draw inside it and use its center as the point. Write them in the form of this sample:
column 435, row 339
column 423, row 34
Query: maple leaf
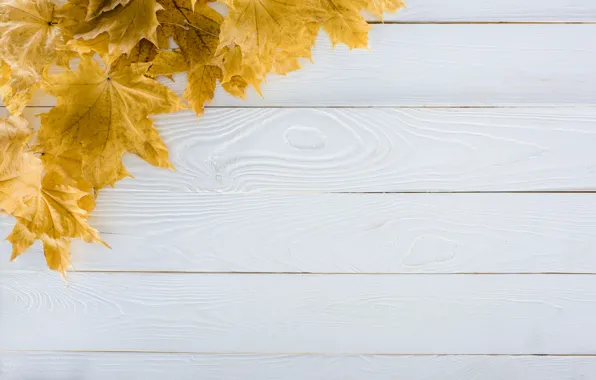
column 31, row 40
column 378, row 7
column 55, row 215
column 101, row 115
column 121, row 27
column 15, row 91
column 143, row 52
column 96, row 7
column 20, row 172
column 272, row 35
column 196, row 32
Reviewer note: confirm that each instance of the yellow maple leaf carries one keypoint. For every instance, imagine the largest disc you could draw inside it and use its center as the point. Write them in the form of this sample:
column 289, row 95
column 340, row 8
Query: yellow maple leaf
column 272, row 35
column 31, row 39
column 378, row 7
column 124, row 25
column 20, row 172
column 196, row 32
column 15, row 91
column 96, row 7
column 101, row 115
column 54, row 216
column 143, row 52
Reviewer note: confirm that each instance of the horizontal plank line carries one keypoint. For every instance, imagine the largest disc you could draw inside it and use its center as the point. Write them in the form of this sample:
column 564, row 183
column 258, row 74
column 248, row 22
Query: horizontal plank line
column 280, row 353
column 268, row 192
column 480, row 22
column 382, row 107
column 470, row 192
column 239, row 273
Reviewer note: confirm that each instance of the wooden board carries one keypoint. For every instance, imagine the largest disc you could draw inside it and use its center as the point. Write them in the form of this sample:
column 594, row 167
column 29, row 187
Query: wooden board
column 438, row 65
column 149, row 366
column 235, row 313
column 340, row 233
column 495, row 11
column 372, row 150
column 431, row 11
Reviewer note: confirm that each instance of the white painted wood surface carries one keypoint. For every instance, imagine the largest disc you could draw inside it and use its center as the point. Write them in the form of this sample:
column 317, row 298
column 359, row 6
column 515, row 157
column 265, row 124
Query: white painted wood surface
column 149, row 366
column 448, row 286
column 437, row 65
column 372, row 150
column 289, row 313
column 495, row 11
column 512, row 11
column 335, row 233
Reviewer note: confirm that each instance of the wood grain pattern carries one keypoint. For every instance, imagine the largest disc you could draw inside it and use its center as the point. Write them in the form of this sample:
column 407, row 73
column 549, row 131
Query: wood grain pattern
column 372, row 150
column 146, row 366
column 485, row 11
column 495, row 11
column 438, row 65
column 234, row 313
column 338, row 233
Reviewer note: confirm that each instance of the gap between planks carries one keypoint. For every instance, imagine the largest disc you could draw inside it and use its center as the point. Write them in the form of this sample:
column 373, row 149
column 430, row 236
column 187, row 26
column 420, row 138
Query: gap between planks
column 282, row 353
column 546, row 107
column 479, row 22
column 254, row 273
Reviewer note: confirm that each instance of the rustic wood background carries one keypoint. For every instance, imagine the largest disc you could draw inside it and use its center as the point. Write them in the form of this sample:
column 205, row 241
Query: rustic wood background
column 422, row 210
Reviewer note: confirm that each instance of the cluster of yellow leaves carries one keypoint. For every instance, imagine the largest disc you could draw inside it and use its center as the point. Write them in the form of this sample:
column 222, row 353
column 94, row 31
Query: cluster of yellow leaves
column 103, row 106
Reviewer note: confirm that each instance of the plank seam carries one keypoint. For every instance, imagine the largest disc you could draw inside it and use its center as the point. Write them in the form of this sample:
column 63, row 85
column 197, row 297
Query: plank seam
column 386, row 107
column 239, row 353
column 480, row 22
column 156, row 272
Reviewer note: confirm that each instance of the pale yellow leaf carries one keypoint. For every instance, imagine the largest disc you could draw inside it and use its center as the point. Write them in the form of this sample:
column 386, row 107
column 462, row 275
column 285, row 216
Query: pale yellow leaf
column 54, row 216
column 20, row 172
column 102, row 115
column 125, row 25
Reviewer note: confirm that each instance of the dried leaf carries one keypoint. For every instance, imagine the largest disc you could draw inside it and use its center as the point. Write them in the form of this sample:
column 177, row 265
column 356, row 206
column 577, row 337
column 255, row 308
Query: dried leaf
column 54, row 217
column 125, row 26
column 101, row 115
column 20, row 172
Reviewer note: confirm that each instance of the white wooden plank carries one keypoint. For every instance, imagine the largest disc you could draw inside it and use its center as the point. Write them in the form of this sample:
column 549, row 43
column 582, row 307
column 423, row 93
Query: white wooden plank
column 484, row 11
column 495, row 11
column 438, row 65
column 340, row 233
column 373, row 150
column 242, row 313
column 148, row 366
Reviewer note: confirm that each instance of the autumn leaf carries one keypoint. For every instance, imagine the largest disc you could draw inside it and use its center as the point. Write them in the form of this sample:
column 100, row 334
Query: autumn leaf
column 143, row 52
column 31, row 40
column 378, row 7
column 15, row 91
column 261, row 29
column 20, row 172
column 97, row 7
column 101, row 115
column 124, row 25
column 196, row 32
column 54, row 216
